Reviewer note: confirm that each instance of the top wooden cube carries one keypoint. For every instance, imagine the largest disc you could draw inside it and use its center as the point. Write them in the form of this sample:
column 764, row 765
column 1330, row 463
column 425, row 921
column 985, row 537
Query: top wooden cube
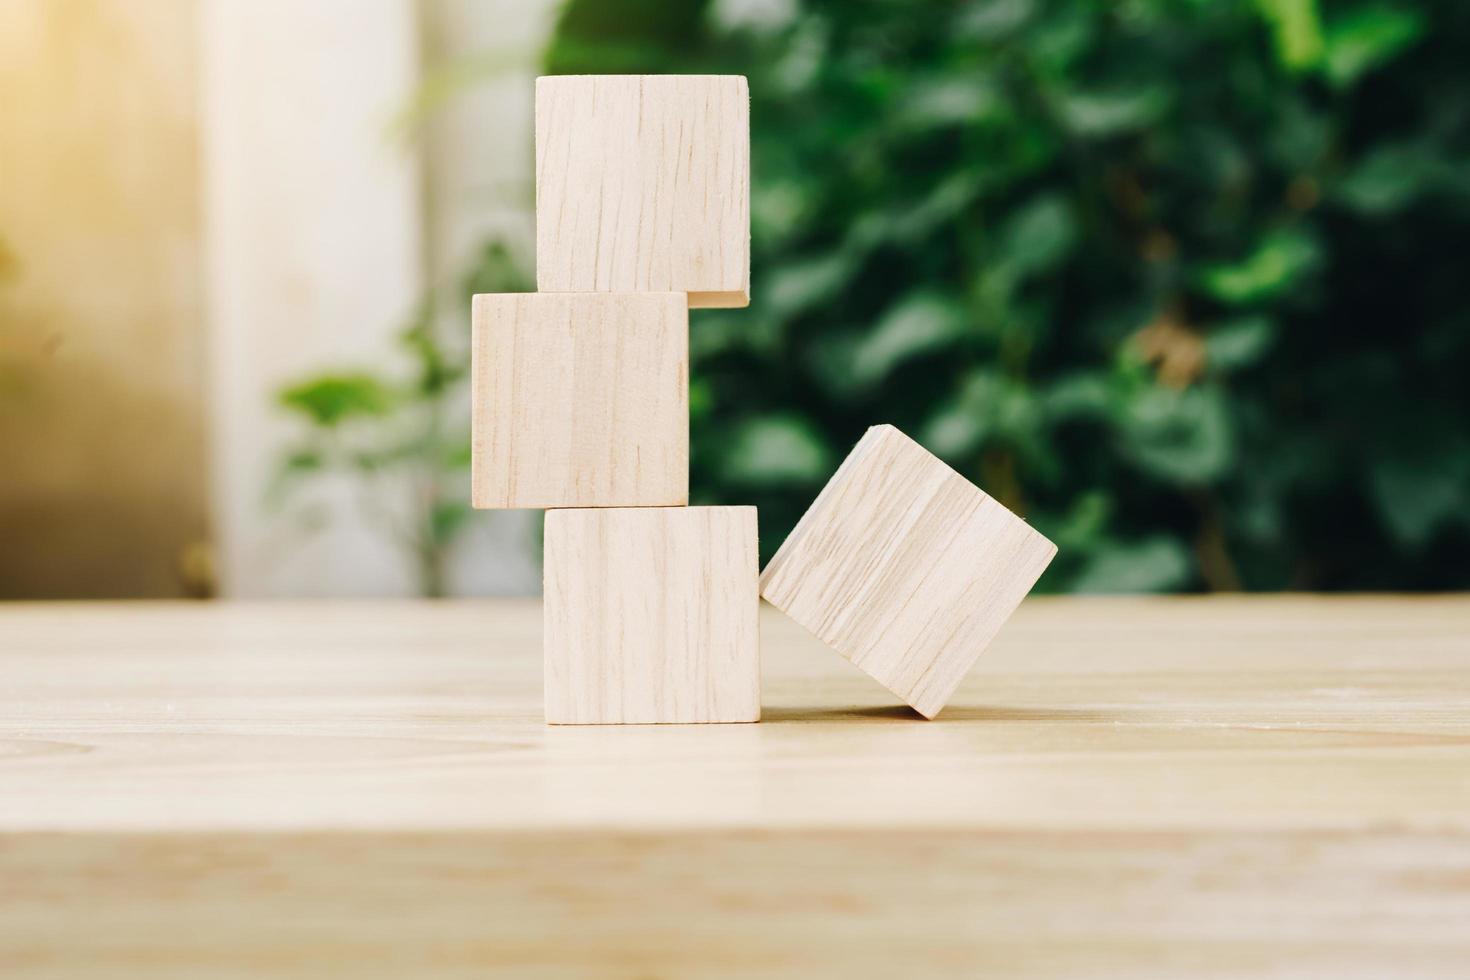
column 643, row 185
column 905, row 568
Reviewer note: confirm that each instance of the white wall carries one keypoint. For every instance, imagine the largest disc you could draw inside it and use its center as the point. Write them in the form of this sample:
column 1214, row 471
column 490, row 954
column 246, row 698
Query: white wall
column 480, row 165
column 314, row 254
column 322, row 230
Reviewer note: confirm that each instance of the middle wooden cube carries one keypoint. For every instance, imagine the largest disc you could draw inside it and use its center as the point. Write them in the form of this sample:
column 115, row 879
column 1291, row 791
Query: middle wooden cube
column 580, row 400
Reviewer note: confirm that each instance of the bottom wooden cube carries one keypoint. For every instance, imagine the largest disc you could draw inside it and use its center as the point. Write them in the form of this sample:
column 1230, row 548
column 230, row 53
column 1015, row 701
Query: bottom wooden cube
column 651, row 616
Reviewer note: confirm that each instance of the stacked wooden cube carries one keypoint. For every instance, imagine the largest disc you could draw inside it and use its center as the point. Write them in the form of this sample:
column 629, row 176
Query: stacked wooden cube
column 581, row 407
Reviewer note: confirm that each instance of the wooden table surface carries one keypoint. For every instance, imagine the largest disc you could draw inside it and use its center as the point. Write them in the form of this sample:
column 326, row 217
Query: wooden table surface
column 1218, row 787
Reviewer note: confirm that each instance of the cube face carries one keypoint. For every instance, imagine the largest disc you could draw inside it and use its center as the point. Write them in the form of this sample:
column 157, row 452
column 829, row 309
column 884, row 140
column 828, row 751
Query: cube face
column 905, row 568
column 580, row 400
column 643, row 184
column 651, row 616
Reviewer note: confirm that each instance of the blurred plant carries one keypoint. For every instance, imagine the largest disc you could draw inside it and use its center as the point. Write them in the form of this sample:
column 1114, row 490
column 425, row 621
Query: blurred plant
column 1178, row 280
column 405, row 441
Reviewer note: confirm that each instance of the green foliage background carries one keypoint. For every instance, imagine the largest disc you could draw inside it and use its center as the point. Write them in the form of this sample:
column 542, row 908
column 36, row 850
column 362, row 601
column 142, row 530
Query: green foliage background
column 1182, row 281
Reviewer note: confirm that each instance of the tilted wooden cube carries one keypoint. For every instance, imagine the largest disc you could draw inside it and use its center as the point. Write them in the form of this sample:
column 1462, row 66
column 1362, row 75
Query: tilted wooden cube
column 643, row 184
column 580, row 400
column 651, row 616
column 905, row 568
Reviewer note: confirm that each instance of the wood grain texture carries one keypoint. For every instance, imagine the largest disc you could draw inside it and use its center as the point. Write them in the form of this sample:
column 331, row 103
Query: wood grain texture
column 580, row 400
column 651, row 616
column 1158, row 788
column 905, row 568
column 643, row 184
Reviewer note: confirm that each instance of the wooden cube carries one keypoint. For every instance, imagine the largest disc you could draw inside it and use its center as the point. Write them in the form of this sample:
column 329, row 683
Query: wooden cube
column 643, row 184
column 651, row 616
column 580, row 400
column 905, row 568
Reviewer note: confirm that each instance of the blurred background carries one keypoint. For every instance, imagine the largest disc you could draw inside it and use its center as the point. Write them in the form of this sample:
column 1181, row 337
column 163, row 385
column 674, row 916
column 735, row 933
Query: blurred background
column 1181, row 281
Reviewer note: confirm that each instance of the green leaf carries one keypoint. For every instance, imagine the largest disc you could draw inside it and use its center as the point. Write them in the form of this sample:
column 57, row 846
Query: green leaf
column 1386, row 180
column 957, row 428
column 1421, row 484
column 716, row 332
column 1182, row 437
column 907, row 223
column 1057, row 43
column 1297, row 31
column 1273, row 267
column 1369, row 37
column 447, row 518
column 302, row 461
column 438, row 369
column 778, row 207
column 988, row 406
column 1082, row 527
column 1154, row 564
column 1079, row 395
column 918, row 323
column 1102, row 113
column 332, row 399
column 800, row 284
column 1238, row 343
column 1038, row 236
column 766, row 16
column 395, row 454
column 701, row 398
column 993, row 19
column 292, row 468
column 942, row 100
column 458, row 454
column 853, row 363
column 1301, row 138
column 496, row 269
column 776, row 450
